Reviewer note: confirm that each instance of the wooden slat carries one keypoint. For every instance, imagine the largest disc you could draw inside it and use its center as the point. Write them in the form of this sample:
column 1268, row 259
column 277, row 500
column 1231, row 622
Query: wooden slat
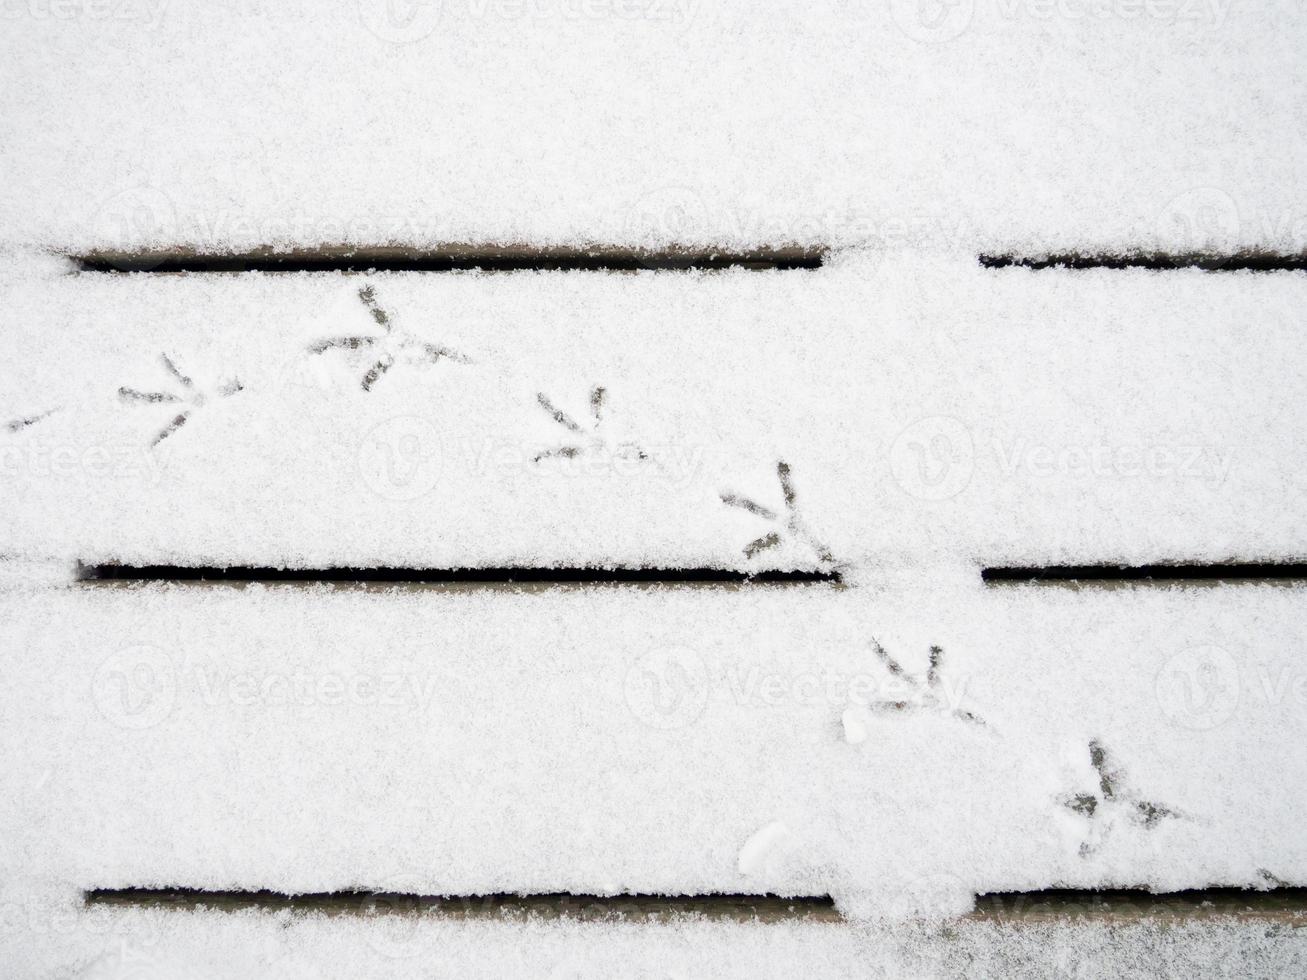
column 924, row 410
column 991, row 127
column 593, row 741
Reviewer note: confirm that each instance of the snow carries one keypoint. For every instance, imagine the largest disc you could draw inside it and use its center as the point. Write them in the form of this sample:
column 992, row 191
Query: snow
column 981, row 125
column 855, row 727
column 473, row 741
column 765, row 849
column 902, row 741
column 897, row 397
column 153, row 945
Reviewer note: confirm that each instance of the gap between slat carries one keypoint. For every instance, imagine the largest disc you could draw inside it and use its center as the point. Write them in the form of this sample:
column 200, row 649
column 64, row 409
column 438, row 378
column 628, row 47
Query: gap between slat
column 1160, row 573
column 604, row 258
column 738, row 907
column 1248, row 261
column 454, row 258
column 1146, row 574
column 1284, row 904
column 451, row 576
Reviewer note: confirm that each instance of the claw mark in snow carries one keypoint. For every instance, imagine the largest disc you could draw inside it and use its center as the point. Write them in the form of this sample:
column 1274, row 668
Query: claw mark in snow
column 1110, row 800
column 592, row 439
column 388, row 348
column 191, row 397
column 762, row 544
column 931, row 695
column 18, row 425
column 789, row 524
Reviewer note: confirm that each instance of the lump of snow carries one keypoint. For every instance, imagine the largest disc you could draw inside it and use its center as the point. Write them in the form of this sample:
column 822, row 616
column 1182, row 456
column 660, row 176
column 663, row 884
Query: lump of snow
column 766, row 850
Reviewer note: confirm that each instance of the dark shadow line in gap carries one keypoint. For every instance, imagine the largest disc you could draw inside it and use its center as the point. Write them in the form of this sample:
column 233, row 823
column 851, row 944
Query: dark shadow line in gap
column 740, row 907
column 459, row 259
column 1061, row 904
column 1250, row 261
column 1281, row 903
column 1162, row 572
column 450, row 576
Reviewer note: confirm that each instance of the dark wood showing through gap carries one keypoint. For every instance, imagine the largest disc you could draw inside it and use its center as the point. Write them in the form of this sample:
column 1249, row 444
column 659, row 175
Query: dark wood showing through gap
column 764, row 907
column 455, row 258
column 1281, row 904
column 1158, row 261
column 1270, row 571
column 450, row 576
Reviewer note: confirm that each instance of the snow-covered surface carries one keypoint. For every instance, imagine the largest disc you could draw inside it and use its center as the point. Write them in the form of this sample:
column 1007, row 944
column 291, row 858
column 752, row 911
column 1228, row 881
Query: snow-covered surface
column 928, row 410
column 610, row 740
column 975, row 124
column 902, row 415
column 142, row 945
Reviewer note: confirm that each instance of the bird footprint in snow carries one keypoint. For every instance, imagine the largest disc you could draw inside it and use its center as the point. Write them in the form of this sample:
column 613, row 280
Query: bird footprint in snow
column 587, row 438
column 787, row 523
column 18, row 425
column 931, row 695
column 190, row 399
column 1111, row 799
column 388, row 348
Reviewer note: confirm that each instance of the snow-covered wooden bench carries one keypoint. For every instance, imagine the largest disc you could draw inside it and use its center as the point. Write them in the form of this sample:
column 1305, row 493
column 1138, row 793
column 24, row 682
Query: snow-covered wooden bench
column 806, row 557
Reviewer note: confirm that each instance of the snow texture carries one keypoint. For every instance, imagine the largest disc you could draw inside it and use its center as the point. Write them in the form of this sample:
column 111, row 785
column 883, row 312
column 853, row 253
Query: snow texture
column 902, row 416
column 888, row 411
column 111, row 945
column 612, row 740
column 975, row 125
